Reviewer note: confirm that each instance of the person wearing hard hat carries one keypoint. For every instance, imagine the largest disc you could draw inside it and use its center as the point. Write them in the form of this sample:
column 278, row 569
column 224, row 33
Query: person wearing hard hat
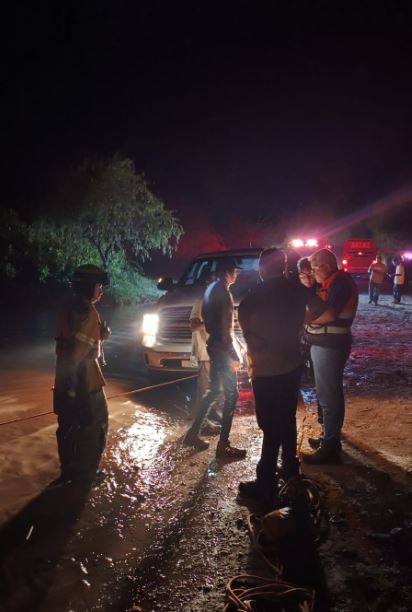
column 79, row 398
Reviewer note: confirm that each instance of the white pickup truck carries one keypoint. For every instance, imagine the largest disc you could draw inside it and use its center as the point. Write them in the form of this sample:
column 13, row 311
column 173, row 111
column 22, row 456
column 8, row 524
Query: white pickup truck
column 166, row 334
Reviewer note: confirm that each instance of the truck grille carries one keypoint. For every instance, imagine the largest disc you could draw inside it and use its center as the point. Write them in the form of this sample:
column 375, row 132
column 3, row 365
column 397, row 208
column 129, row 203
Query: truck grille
column 174, row 325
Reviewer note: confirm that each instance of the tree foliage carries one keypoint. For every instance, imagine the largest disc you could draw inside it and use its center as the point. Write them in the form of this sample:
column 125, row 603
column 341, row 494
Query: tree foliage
column 117, row 212
column 104, row 214
column 13, row 236
column 57, row 248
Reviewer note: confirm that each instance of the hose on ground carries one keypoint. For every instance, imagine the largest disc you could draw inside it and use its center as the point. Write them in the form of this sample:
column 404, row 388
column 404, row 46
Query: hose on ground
column 311, row 494
column 245, row 593
column 248, row 592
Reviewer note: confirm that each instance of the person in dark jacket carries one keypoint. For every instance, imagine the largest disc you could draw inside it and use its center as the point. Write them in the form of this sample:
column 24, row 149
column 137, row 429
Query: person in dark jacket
column 79, row 398
column 272, row 316
column 217, row 314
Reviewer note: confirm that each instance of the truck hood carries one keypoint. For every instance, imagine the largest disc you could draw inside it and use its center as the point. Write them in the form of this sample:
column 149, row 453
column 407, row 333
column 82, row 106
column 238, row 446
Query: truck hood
column 186, row 296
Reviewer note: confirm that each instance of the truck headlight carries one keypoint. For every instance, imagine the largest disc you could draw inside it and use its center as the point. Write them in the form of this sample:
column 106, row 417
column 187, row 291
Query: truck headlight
column 150, row 324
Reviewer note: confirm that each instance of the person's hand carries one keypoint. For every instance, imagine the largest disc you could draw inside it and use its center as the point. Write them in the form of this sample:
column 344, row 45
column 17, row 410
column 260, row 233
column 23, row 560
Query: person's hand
column 105, row 330
column 196, row 324
column 235, row 366
column 78, row 408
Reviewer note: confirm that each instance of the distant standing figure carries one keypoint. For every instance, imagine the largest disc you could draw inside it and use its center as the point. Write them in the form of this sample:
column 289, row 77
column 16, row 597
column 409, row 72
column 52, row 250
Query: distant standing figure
column 398, row 279
column 217, row 313
column 377, row 271
column 79, row 399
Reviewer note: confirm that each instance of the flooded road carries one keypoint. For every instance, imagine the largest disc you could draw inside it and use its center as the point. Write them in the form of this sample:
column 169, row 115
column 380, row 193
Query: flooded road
column 164, row 530
column 70, row 548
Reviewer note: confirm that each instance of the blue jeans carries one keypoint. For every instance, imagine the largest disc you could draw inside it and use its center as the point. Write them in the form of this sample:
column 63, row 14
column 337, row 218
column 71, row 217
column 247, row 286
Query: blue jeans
column 397, row 293
column 221, row 374
column 328, row 366
column 374, row 291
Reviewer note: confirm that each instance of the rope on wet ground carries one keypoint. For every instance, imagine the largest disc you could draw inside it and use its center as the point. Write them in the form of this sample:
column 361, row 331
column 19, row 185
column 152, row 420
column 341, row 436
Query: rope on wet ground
column 110, row 397
column 301, row 522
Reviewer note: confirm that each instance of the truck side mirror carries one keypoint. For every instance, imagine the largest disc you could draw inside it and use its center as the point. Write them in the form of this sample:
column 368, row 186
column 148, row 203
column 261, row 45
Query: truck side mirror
column 165, row 283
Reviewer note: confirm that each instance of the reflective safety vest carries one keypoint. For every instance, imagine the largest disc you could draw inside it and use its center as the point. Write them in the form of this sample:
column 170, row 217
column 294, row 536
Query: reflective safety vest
column 78, row 347
column 344, row 318
column 84, row 327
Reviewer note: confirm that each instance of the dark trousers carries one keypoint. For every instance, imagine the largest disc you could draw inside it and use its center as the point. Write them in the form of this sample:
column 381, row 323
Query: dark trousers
column 276, row 400
column 374, row 291
column 221, row 376
column 81, row 433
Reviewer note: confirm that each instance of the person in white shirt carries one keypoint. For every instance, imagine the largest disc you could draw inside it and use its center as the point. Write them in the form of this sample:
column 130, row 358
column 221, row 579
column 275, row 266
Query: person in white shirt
column 199, row 351
column 398, row 279
column 377, row 271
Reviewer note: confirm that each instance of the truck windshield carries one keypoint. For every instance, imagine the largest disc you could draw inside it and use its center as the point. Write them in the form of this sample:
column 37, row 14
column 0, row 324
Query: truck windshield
column 248, row 274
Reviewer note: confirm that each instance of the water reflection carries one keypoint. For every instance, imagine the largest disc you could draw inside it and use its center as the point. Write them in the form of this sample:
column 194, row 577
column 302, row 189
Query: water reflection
column 308, row 396
column 140, row 442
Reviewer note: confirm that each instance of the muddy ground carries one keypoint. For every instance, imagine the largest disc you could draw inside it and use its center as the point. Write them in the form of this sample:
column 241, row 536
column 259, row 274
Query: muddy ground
column 165, row 531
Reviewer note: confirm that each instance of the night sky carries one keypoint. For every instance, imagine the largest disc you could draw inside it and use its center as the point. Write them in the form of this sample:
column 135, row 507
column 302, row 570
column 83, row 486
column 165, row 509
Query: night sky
column 234, row 109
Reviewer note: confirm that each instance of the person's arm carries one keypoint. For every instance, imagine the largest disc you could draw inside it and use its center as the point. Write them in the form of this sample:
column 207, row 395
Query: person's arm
column 327, row 316
column 196, row 324
column 85, row 339
column 226, row 324
column 338, row 294
column 254, row 342
column 195, row 319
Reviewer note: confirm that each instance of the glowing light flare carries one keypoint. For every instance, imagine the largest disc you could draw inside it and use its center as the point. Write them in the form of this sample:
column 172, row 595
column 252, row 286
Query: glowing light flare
column 298, row 243
column 407, row 255
column 150, row 324
column 389, row 202
column 149, row 341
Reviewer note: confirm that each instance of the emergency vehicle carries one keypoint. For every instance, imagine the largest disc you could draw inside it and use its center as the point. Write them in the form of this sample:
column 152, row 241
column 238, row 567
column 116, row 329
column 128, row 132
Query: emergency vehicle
column 357, row 255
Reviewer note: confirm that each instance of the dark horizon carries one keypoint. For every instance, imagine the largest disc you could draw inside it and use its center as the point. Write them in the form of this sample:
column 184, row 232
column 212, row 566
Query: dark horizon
column 243, row 112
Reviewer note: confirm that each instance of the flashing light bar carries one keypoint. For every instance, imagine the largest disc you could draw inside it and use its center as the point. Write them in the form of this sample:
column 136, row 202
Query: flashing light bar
column 297, row 243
